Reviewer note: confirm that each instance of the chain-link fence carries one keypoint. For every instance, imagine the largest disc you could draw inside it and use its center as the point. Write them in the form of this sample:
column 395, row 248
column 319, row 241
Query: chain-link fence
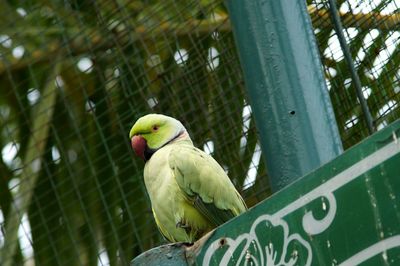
column 75, row 75
column 371, row 32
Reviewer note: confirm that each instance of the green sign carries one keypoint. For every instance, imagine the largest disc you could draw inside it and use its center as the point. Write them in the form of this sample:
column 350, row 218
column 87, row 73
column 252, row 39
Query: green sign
column 345, row 213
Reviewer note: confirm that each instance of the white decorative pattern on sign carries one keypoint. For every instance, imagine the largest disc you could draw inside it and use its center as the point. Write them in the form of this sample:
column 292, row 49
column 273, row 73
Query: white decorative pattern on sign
column 283, row 249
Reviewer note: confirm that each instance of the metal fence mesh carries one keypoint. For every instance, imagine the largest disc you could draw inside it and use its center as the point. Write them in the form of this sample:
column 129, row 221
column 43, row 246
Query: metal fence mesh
column 75, row 75
column 372, row 35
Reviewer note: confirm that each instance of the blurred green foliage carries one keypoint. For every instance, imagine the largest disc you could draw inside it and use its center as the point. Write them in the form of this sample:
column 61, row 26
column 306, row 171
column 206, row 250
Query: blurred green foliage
column 109, row 62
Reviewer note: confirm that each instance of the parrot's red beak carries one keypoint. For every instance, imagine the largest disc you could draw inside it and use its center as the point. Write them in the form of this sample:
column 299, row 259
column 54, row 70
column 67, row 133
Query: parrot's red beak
column 139, row 146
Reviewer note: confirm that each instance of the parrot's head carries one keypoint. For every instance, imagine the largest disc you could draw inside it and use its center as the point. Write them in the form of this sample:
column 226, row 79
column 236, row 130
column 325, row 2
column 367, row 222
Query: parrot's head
column 154, row 131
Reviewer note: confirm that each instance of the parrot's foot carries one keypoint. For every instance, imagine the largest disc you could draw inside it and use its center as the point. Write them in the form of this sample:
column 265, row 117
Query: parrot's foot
column 182, row 225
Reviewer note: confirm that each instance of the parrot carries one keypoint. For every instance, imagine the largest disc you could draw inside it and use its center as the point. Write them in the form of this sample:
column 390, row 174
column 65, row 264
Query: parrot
column 190, row 193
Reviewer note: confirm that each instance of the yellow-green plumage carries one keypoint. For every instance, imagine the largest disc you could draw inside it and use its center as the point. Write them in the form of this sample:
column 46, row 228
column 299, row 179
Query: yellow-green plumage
column 189, row 191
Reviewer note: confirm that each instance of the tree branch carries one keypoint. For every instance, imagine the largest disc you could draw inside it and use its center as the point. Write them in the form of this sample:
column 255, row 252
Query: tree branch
column 89, row 43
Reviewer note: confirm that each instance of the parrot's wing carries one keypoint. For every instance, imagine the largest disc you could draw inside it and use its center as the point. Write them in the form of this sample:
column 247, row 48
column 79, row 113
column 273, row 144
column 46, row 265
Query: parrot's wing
column 205, row 184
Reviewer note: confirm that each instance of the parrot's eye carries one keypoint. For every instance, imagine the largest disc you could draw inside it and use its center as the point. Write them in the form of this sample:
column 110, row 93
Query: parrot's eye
column 155, row 128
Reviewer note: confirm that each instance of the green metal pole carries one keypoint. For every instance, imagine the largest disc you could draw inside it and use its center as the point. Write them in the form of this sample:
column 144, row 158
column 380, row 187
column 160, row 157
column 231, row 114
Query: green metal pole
column 353, row 71
column 286, row 88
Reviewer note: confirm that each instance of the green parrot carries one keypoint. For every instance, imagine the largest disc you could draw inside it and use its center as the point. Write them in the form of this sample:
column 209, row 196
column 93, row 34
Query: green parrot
column 190, row 193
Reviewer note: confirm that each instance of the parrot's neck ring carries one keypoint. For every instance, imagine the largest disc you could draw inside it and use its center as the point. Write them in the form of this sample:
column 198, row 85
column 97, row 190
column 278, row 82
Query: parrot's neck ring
column 181, row 135
column 148, row 152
